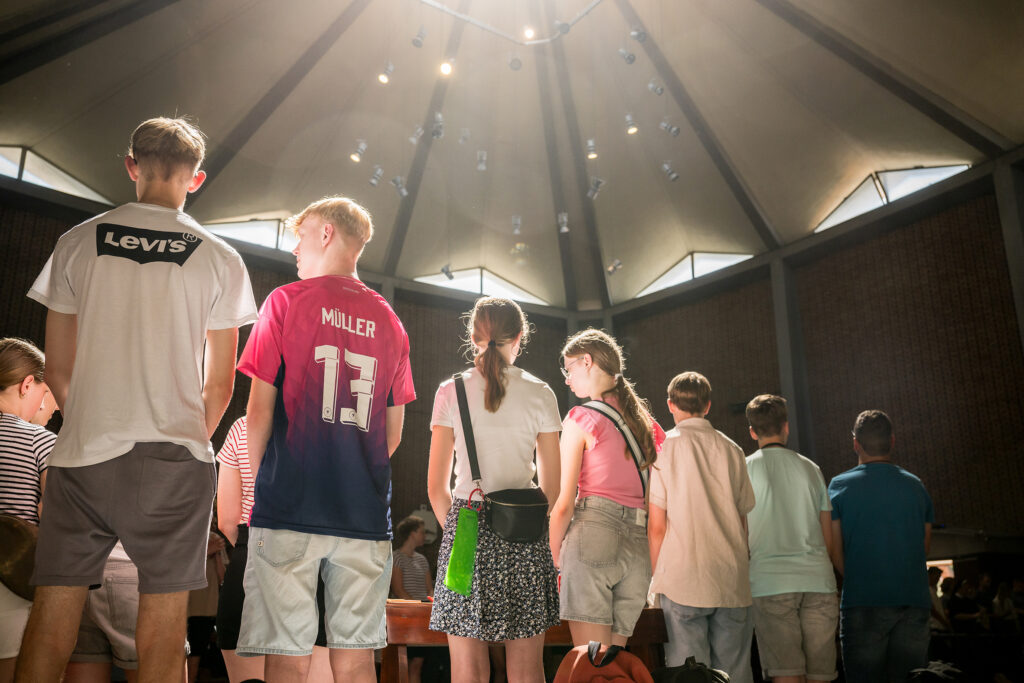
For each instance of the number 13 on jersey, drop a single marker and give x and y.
(361, 386)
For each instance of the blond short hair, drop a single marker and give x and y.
(168, 144)
(344, 214)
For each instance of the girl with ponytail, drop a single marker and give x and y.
(599, 523)
(514, 595)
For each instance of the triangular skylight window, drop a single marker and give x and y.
(692, 266)
(39, 171)
(481, 281)
(265, 233)
(883, 187)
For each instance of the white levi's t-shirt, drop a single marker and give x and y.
(146, 283)
(505, 440)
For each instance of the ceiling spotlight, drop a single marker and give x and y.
(667, 126)
(595, 187)
(378, 173)
(515, 63)
(357, 153)
(653, 86)
(591, 149)
(517, 225)
(667, 168)
(446, 67)
(464, 136)
(631, 127)
(416, 135)
(421, 35)
(563, 222)
(481, 160)
(447, 270)
(562, 27)
(615, 265)
(437, 132)
(399, 184)
(638, 34)
(385, 76)
(528, 33)
(627, 56)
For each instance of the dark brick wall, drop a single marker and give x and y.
(920, 323)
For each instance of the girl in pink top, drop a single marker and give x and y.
(599, 523)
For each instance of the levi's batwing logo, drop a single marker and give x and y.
(145, 246)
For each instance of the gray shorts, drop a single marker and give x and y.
(156, 498)
(107, 631)
(796, 634)
(606, 565)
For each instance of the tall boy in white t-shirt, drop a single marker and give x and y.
(700, 496)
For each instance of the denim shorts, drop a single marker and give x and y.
(796, 634)
(280, 613)
(107, 630)
(606, 565)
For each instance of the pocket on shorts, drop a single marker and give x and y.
(597, 544)
(778, 606)
(278, 547)
(167, 487)
(381, 553)
(123, 602)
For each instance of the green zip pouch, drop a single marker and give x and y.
(459, 576)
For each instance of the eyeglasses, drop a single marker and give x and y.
(565, 370)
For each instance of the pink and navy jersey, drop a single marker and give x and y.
(338, 356)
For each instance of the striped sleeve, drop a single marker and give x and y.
(228, 455)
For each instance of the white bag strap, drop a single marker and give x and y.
(620, 424)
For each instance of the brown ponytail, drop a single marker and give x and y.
(607, 355)
(492, 323)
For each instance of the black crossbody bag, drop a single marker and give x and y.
(620, 424)
(517, 515)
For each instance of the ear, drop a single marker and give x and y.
(132, 167)
(753, 434)
(197, 180)
(26, 384)
(327, 233)
(671, 406)
(707, 409)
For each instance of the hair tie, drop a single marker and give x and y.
(492, 344)
(618, 377)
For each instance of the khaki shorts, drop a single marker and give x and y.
(156, 498)
(107, 631)
(796, 634)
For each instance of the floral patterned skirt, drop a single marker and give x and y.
(514, 592)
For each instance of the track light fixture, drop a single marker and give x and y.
(627, 56)
(562, 27)
(357, 153)
(669, 173)
(437, 132)
(517, 225)
(399, 184)
(481, 160)
(595, 187)
(591, 149)
(378, 173)
(421, 35)
(416, 135)
(464, 136)
(447, 270)
(667, 126)
(614, 266)
(515, 63)
(631, 127)
(385, 76)
(653, 86)
(638, 34)
(563, 222)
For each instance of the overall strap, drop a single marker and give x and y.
(620, 424)
(467, 427)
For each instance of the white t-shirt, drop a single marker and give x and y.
(505, 440)
(146, 283)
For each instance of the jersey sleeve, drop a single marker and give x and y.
(550, 420)
(402, 390)
(235, 306)
(263, 353)
(53, 288)
(443, 414)
(228, 454)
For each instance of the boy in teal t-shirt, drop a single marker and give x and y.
(796, 610)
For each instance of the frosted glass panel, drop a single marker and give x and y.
(680, 272)
(901, 183)
(263, 233)
(10, 160)
(864, 199)
(496, 286)
(481, 281)
(704, 263)
(467, 280)
(41, 172)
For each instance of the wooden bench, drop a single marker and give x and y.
(408, 626)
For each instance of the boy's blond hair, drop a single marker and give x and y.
(344, 214)
(167, 144)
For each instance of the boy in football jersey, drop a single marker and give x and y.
(329, 362)
(144, 309)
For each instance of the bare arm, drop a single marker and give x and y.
(394, 419)
(571, 447)
(548, 465)
(429, 581)
(219, 373)
(439, 471)
(657, 522)
(837, 545)
(229, 502)
(42, 490)
(61, 343)
(927, 537)
(259, 415)
(397, 588)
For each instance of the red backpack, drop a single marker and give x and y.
(596, 663)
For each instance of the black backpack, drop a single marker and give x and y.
(690, 672)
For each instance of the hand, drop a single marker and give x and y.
(215, 544)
